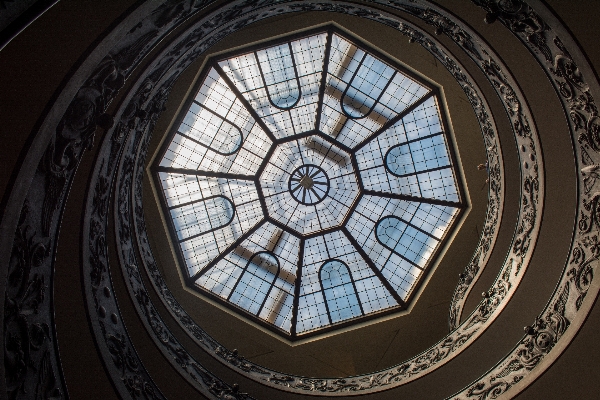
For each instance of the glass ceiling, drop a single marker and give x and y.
(309, 183)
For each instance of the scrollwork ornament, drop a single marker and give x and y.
(529, 25)
(578, 101)
(28, 338)
(337, 386)
(435, 356)
(73, 134)
(204, 381)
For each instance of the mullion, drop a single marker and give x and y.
(228, 121)
(345, 205)
(262, 75)
(244, 271)
(318, 218)
(393, 250)
(292, 121)
(268, 292)
(373, 267)
(208, 174)
(323, 79)
(212, 230)
(299, 150)
(441, 133)
(362, 312)
(208, 146)
(187, 203)
(292, 213)
(420, 172)
(357, 171)
(320, 135)
(321, 282)
(412, 160)
(297, 285)
(223, 119)
(416, 199)
(342, 127)
(225, 252)
(244, 102)
(376, 101)
(351, 79)
(393, 121)
(417, 228)
(330, 150)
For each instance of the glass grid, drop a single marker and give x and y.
(217, 134)
(312, 310)
(264, 291)
(281, 84)
(279, 74)
(332, 208)
(213, 218)
(339, 291)
(411, 157)
(391, 233)
(362, 93)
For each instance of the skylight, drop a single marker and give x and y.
(309, 183)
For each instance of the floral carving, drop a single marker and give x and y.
(439, 353)
(27, 338)
(568, 299)
(570, 82)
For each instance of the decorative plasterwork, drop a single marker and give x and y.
(574, 81)
(319, 386)
(568, 304)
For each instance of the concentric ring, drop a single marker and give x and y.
(309, 184)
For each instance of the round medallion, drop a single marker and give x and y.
(309, 184)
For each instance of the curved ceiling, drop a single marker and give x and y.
(102, 306)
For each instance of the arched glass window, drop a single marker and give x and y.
(252, 289)
(199, 217)
(279, 74)
(208, 129)
(339, 290)
(408, 241)
(368, 83)
(428, 153)
(319, 137)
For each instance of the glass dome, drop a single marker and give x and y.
(309, 183)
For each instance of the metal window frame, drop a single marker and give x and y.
(329, 30)
(262, 75)
(326, 262)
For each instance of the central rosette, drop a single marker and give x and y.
(309, 185)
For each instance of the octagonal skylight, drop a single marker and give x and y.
(309, 183)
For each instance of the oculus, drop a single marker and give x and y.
(309, 183)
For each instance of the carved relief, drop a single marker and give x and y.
(423, 363)
(574, 93)
(75, 133)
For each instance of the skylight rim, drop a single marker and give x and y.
(431, 91)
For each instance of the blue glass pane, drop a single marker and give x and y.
(366, 87)
(399, 160)
(390, 231)
(202, 216)
(406, 240)
(211, 130)
(277, 65)
(256, 282)
(340, 295)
